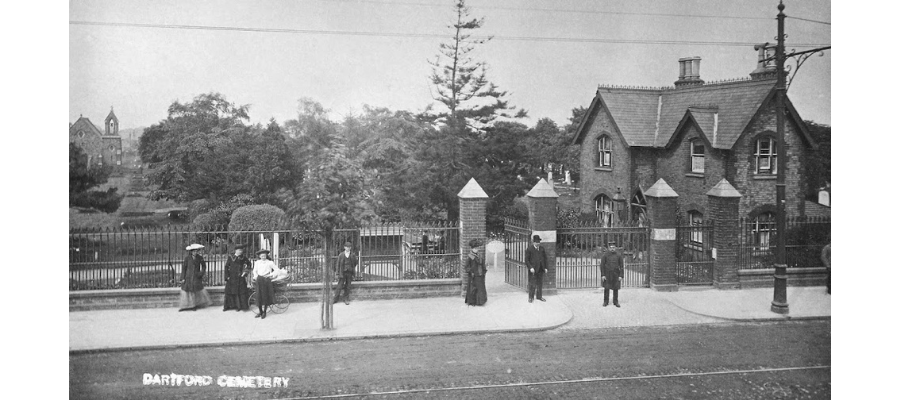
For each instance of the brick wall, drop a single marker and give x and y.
(595, 181)
(299, 293)
(542, 217)
(759, 190)
(675, 168)
(757, 278)
(472, 225)
(644, 169)
(723, 210)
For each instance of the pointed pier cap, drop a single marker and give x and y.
(661, 189)
(723, 189)
(472, 190)
(542, 190)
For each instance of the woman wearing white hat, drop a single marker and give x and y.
(193, 294)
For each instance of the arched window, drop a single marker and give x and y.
(766, 157)
(697, 156)
(695, 219)
(604, 154)
(604, 208)
(763, 226)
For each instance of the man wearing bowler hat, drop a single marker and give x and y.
(345, 267)
(536, 261)
(612, 269)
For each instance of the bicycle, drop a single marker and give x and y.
(281, 301)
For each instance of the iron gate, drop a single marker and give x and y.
(515, 241)
(580, 249)
(694, 263)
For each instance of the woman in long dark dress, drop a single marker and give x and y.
(475, 268)
(237, 294)
(264, 270)
(193, 294)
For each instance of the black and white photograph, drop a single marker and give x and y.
(448, 199)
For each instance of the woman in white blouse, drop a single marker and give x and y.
(264, 270)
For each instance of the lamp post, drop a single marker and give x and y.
(779, 299)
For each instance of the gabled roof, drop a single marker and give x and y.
(706, 120)
(86, 125)
(650, 117)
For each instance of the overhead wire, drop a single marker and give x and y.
(421, 35)
(560, 10)
(809, 20)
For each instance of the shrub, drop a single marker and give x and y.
(258, 217)
(212, 219)
(197, 207)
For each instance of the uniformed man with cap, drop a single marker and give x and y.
(612, 269)
(536, 262)
(345, 267)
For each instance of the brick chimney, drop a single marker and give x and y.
(765, 69)
(688, 72)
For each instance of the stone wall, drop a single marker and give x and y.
(300, 293)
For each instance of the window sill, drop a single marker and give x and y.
(694, 175)
(765, 177)
(606, 169)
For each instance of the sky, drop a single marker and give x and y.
(141, 70)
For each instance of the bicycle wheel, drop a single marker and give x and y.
(253, 303)
(281, 304)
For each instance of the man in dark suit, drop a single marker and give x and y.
(612, 269)
(536, 261)
(345, 267)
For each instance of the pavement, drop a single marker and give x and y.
(507, 310)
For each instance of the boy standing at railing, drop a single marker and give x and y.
(345, 266)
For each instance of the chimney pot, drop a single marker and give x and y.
(688, 72)
(765, 68)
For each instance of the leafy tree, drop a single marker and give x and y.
(271, 165)
(311, 132)
(193, 157)
(205, 150)
(336, 192)
(818, 163)
(461, 83)
(83, 177)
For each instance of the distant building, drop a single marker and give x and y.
(100, 147)
(692, 135)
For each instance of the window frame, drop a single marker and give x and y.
(771, 157)
(695, 220)
(603, 152)
(694, 144)
(604, 210)
(762, 229)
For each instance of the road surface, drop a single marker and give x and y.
(714, 361)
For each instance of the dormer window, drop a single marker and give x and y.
(604, 153)
(766, 156)
(697, 156)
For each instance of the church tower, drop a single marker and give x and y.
(112, 124)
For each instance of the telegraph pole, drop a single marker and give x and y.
(779, 300)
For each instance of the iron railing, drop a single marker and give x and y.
(804, 240)
(152, 257)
